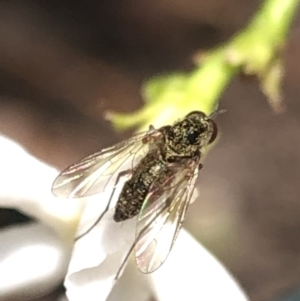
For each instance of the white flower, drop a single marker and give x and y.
(190, 272)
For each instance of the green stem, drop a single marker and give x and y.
(277, 15)
(254, 50)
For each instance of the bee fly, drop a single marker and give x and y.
(163, 166)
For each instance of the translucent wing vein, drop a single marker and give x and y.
(161, 218)
(95, 173)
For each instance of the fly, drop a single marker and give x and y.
(163, 166)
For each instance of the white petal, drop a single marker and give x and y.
(192, 273)
(98, 255)
(33, 261)
(26, 185)
(131, 286)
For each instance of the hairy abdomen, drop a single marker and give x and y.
(136, 189)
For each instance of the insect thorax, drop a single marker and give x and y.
(186, 138)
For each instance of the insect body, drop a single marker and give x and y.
(163, 164)
(135, 190)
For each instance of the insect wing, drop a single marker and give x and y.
(95, 173)
(161, 218)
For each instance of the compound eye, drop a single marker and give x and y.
(214, 132)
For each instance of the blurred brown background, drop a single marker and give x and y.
(63, 63)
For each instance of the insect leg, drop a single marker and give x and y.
(122, 266)
(121, 174)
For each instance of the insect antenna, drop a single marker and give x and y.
(216, 113)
